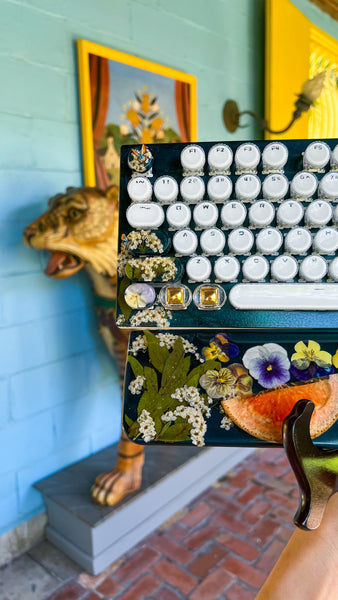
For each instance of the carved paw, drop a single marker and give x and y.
(110, 488)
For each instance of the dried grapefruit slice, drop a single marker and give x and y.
(262, 415)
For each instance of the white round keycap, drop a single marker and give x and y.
(326, 240)
(269, 240)
(233, 214)
(185, 242)
(219, 188)
(192, 158)
(284, 268)
(139, 189)
(328, 186)
(333, 269)
(313, 268)
(240, 240)
(255, 268)
(226, 268)
(247, 157)
(198, 268)
(166, 189)
(178, 215)
(247, 187)
(298, 240)
(220, 157)
(303, 185)
(261, 213)
(316, 156)
(335, 215)
(274, 156)
(192, 189)
(212, 241)
(275, 186)
(289, 213)
(205, 214)
(145, 215)
(334, 158)
(318, 213)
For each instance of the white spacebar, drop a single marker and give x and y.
(284, 296)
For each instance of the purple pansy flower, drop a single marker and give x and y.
(220, 348)
(269, 364)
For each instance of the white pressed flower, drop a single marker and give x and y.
(226, 423)
(120, 320)
(135, 387)
(147, 426)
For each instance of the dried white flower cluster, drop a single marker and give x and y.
(120, 320)
(156, 315)
(226, 423)
(192, 396)
(147, 426)
(122, 260)
(135, 387)
(194, 418)
(168, 340)
(150, 240)
(139, 343)
(152, 265)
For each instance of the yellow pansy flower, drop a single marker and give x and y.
(305, 354)
(335, 359)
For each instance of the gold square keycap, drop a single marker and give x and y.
(209, 296)
(175, 295)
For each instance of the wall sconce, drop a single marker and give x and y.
(311, 91)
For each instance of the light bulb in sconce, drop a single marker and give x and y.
(311, 91)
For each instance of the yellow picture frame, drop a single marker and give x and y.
(135, 67)
(288, 65)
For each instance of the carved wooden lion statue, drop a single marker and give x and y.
(80, 230)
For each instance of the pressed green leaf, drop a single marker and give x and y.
(149, 402)
(126, 310)
(135, 365)
(157, 354)
(128, 420)
(173, 367)
(134, 430)
(177, 432)
(151, 380)
(129, 271)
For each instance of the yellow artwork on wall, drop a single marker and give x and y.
(297, 50)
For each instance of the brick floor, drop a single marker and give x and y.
(221, 547)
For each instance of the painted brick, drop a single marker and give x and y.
(43, 297)
(4, 402)
(49, 47)
(34, 90)
(92, 411)
(69, 334)
(29, 498)
(8, 499)
(105, 437)
(21, 348)
(31, 189)
(37, 389)
(34, 434)
(56, 155)
(16, 131)
(174, 576)
(14, 256)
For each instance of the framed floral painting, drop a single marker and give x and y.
(124, 100)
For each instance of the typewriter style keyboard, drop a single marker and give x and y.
(231, 227)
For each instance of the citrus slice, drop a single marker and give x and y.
(262, 415)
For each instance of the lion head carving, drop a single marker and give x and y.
(80, 227)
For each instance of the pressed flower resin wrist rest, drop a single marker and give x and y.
(229, 387)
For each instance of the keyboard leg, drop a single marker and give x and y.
(316, 469)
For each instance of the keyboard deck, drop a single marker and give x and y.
(233, 234)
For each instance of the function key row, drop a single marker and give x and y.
(247, 188)
(255, 268)
(268, 241)
(247, 157)
(233, 214)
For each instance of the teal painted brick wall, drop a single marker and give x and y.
(59, 391)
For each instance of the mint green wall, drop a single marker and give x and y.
(59, 392)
